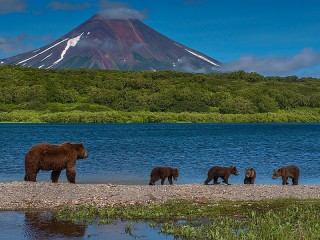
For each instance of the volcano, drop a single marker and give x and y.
(118, 44)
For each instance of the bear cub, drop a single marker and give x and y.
(163, 173)
(286, 172)
(250, 176)
(222, 172)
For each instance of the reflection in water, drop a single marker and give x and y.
(42, 225)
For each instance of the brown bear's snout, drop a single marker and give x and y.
(83, 155)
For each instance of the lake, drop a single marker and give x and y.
(126, 153)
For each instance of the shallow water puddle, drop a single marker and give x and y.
(41, 225)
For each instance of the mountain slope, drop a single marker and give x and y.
(120, 44)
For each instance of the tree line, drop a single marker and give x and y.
(163, 91)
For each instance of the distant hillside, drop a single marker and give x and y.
(97, 91)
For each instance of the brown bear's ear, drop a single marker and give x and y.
(252, 169)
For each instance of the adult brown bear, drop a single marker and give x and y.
(222, 172)
(291, 171)
(163, 173)
(47, 157)
(250, 176)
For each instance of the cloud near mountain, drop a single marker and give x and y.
(121, 13)
(275, 65)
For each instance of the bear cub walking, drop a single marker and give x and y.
(163, 173)
(222, 172)
(291, 171)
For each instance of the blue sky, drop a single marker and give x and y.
(269, 37)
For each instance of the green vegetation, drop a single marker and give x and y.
(82, 95)
(267, 219)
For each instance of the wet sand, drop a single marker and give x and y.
(45, 196)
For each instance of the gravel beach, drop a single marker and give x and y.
(44, 196)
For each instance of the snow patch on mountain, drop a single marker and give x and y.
(42, 51)
(46, 57)
(201, 57)
(71, 43)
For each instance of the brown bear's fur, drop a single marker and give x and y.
(222, 172)
(291, 171)
(250, 176)
(45, 156)
(163, 173)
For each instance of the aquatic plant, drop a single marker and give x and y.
(267, 219)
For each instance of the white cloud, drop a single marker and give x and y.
(10, 6)
(118, 10)
(96, 43)
(108, 9)
(104, 4)
(13, 44)
(10, 46)
(121, 13)
(286, 65)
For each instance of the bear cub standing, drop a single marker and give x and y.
(291, 171)
(222, 172)
(250, 176)
(47, 157)
(163, 173)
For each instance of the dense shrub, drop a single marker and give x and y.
(163, 91)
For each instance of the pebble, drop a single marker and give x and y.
(39, 195)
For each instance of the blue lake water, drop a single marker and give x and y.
(126, 153)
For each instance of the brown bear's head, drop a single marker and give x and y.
(82, 153)
(234, 171)
(249, 172)
(276, 173)
(175, 173)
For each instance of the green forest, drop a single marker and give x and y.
(83, 95)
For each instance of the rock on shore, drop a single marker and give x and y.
(39, 195)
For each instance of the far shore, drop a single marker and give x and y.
(48, 196)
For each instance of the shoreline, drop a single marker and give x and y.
(18, 196)
(299, 115)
